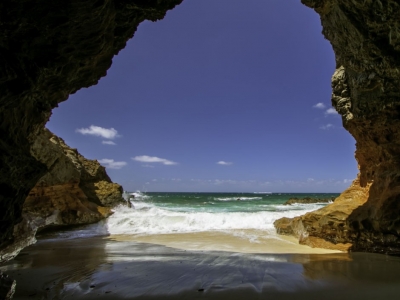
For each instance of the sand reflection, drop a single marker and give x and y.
(95, 268)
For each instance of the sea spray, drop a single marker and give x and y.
(166, 213)
(236, 214)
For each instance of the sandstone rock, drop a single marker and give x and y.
(330, 226)
(365, 36)
(74, 191)
(74, 188)
(308, 200)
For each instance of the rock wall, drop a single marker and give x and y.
(365, 36)
(49, 50)
(74, 191)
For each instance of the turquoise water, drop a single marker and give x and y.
(224, 202)
(164, 213)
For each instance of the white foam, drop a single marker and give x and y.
(147, 219)
(238, 198)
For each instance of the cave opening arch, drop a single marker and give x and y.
(238, 83)
(51, 52)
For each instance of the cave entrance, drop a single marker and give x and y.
(218, 96)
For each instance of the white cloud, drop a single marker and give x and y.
(331, 111)
(319, 105)
(99, 131)
(111, 164)
(327, 126)
(229, 181)
(154, 159)
(224, 163)
(108, 143)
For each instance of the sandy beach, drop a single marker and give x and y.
(117, 268)
(243, 241)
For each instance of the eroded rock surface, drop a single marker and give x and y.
(49, 50)
(365, 36)
(74, 191)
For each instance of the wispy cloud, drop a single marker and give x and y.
(154, 159)
(319, 105)
(331, 111)
(111, 164)
(224, 163)
(327, 126)
(106, 133)
(147, 166)
(108, 143)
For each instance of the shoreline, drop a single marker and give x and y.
(241, 241)
(104, 268)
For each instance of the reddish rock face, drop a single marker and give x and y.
(73, 191)
(365, 36)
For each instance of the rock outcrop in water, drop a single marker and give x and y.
(308, 200)
(365, 36)
(74, 191)
(49, 50)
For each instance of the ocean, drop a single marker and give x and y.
(240, 222)
(163, 213)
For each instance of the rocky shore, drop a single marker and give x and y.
(366, 93)
(74, 191)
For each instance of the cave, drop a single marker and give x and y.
(50, 50)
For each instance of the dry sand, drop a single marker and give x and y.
(105, 268)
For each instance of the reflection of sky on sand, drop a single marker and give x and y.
(102, 268)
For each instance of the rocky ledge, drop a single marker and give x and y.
(327, 227)
(74, 191)
(365, 36)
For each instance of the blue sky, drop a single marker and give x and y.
(219, 96)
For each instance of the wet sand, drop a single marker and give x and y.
(106, 268)
(243, 241)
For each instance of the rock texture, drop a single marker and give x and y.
(49, 50)
(74, 191)
(7, 287)
(308, 200)
(365, 36)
